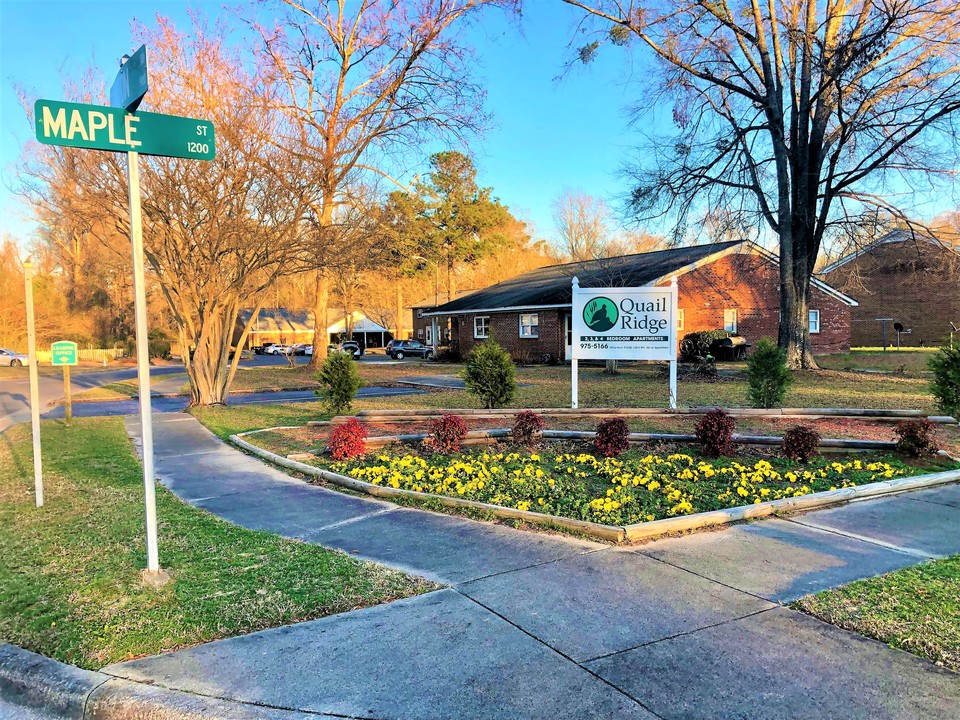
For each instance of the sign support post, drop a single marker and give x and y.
(143, 363)
(34, 384)
(67, 400)
(574, 364)
(673, 357)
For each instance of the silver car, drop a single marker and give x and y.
(13, 359)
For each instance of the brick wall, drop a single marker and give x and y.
(750, 284)
(747, 283)
(914, 282)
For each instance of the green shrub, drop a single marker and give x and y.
(695, 346)
(945, 366)
(339, 382)
(159, 344)
(490, 375)
(767, 374)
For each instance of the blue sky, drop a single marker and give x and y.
(549, 134)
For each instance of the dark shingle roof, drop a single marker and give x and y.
(552, 285)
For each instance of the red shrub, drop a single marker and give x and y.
(715, 433)
(800, 443)
(915, 438)
(347, 440)
(447, 433)
(613, 437)
(527, 426)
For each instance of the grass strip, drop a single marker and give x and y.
(70, 583)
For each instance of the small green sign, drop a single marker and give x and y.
(99, 127)
(63, 352)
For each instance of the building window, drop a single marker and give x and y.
(730, 321)
(429, 336)
(679, 319)
(420, 333)
(814, 318)
(529, 325)
(481, 327)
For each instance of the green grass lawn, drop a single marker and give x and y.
(120, 390)
(916, 609)
(226, 420)
(70, 584)
(909, 362)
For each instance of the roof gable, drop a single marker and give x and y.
(891, 238)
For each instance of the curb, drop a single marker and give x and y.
(618, 533)
(37, 683)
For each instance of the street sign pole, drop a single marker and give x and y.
(143, 363)
(34, 384)
(67, 400)
(673, 358)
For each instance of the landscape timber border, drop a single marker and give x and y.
(878, 414)
(614, 533)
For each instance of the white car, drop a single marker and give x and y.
(278, 350)
(13, 359)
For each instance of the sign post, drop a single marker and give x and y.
(624, 324)
(64, 354)
(34, 385)
(119, 129)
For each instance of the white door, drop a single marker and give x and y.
(568, 335)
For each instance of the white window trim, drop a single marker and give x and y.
(420, 333)
(428, 340)
(476, 334)
(534, 335)
(809, 324)
(736, 320)
(680, 320)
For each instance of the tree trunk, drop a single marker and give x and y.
(611, 368)
(794, 321)
(398, 326)
(320, 324)
(451, 290)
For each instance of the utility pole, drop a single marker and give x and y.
(34, 384)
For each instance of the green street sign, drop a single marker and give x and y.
(63, 352)
(99, 127)
(130, 85)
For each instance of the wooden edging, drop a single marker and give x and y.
(615, 533)
(418, 414)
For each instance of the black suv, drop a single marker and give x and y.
(399, 349)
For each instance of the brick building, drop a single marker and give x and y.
(911, 279)
(288, 327)
(733, 286)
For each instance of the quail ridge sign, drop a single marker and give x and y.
(621, 323)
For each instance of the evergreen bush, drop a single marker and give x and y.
(339, 382)
(767, 374)
(490, 375)
(945, 366)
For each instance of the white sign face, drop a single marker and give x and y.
(625, 323)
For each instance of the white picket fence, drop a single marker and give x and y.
(96, 354)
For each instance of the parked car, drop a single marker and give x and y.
(349, 346)
(13, 359)
(277, 349)
(261, 349)
(399, 349)
(299, 349)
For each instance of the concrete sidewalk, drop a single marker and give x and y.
(545, 626)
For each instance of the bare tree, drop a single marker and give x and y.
(216, 234)
(363, 84)
(798, 111)
(583, 224)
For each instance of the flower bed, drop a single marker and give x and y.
(635, 487)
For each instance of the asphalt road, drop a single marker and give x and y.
(176, 404)
(15, 392)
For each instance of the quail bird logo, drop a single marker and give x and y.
(600, 314)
